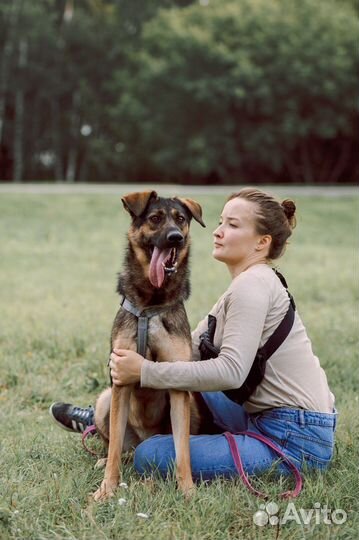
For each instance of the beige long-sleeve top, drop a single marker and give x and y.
(247, 315)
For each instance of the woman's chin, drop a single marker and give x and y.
(216, 255)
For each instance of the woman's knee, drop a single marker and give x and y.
(156, 453)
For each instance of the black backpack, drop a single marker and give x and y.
(256, 373)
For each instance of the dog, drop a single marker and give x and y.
(154, 283)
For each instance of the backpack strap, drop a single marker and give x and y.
(279, 334)
(284, 283)
(206, 347)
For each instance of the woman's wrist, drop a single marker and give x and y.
(139, 368)
(146, 366)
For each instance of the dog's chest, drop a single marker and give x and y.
(149, 412)
(124, 336)
(158, 338)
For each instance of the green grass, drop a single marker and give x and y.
(58, 263)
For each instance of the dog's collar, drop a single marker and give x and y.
(143, 317)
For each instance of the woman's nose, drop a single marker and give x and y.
(218, 231)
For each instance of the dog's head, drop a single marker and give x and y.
(159, 233)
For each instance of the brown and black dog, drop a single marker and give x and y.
(155, 278)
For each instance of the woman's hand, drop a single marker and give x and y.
(125, 366)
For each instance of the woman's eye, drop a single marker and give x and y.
(155, 219)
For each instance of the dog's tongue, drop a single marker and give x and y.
(157, 273)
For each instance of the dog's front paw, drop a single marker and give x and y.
(188, 488)
(106, 490)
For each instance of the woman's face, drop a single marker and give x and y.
(236, 239)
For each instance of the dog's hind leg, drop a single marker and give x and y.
(102, 415)
(102, 422)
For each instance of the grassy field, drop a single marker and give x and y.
(59, 256)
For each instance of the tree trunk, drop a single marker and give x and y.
(33, 142)
(19, 115)
(6, 61)
(341, 162)
(292, 168)
(306, 164)
(74, 134)
(71, 165)
(56, 140)
(68, 11)
(83, 173)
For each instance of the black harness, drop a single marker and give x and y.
(143, 317)
(208, 350)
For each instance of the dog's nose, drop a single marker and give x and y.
(175, 237)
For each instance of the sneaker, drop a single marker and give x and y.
(72, 418)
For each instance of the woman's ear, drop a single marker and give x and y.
(264, 242)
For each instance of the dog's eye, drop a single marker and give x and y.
(181, 219)
(155, 219)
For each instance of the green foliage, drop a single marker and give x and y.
(239, 87)
(72, 48)
(60, 256)
(178, 90)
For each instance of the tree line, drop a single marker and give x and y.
(204, 91)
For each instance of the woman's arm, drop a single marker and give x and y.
(245, 314)
(126, 365)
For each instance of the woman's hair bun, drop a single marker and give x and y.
(289, 210)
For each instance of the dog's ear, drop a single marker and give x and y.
(136, 203)
(194, 208)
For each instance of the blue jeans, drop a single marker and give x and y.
(306, 437)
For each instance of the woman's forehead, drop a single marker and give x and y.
(239, 208)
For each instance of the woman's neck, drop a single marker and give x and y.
(242, 266)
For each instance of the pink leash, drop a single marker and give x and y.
(90, 430)
(238, 463)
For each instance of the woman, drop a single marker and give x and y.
(290, 403)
